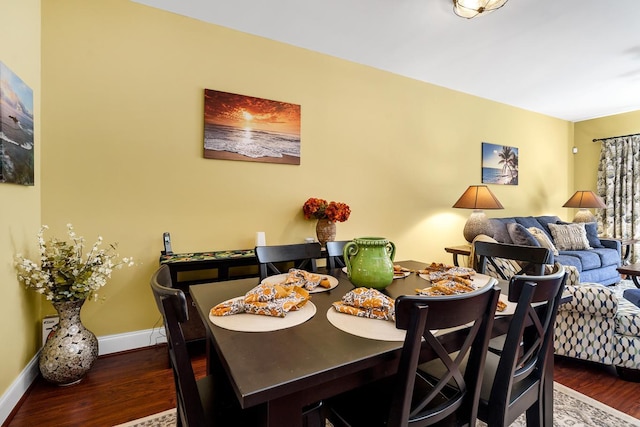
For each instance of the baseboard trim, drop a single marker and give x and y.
(107, 344)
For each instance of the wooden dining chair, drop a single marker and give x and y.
(503, 260)
(201, 402)
(409, 398)
(514, 379)
(302, 255)
(335, 253)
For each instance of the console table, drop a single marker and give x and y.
(222, 261)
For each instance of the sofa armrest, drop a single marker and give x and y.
(611, 244)
(591, 298)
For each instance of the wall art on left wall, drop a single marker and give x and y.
(16, 129)
(240, 127)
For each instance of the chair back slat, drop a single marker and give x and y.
(335, 253)
(532, 259)
(303, 256)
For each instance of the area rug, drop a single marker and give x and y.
(570, 409)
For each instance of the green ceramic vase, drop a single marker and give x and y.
(369, 262)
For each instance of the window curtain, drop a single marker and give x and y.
(619, 187)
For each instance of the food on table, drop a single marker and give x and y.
(501, 306)
(366, 302)
(266, 299)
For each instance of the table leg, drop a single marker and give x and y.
(284, 412)
(455, 260)
(634, 278)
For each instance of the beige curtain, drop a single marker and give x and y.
(619, 187)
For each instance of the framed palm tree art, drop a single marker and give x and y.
(499, 164)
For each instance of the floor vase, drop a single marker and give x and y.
(325, 231)
(71, 349)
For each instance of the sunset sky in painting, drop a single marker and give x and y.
(229, 109)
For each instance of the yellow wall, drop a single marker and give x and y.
(586, 171)
(20, 212)
(122, 154)
(124, 110)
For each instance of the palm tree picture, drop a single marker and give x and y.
(499, 164)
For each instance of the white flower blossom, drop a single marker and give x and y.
(63, 273)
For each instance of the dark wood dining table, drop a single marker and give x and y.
(287, 370)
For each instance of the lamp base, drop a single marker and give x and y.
(477, 224)
(584, 215)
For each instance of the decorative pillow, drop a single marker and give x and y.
(543, 239)
(520, 235)
(570, 237)
(592, 233)
(500, 232)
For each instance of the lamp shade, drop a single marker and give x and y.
(478, 197)
(472, 8)
(584, 199)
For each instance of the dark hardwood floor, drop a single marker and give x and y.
(131, 385)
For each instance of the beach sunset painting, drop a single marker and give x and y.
(239, 127)
(499, 164)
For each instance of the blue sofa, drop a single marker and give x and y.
(597, 265)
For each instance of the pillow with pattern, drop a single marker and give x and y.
(570, 237)
(543, 239)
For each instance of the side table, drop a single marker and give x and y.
(464, 250)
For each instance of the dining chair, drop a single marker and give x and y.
(503, 260)
(335, 253)
(201, 402)
(514, 379)
(302, 255)
(409, 398)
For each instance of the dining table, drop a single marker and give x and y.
(291, 368)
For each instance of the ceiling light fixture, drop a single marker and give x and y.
(472, 8)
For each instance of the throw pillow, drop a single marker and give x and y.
(520, 235)
(500, 232)
(592, 233)
(570, 237)
(543, 239)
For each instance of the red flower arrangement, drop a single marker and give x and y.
(320, 209)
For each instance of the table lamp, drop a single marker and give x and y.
(583, 200)
(477, 197)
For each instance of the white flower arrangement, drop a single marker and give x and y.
(63, 273)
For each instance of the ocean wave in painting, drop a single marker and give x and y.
(249, 142)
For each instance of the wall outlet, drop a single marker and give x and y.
(48, 324)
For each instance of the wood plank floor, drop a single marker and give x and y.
(131, 385)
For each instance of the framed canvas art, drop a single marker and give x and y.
(239, 127)
(499, 164)
(16, 129)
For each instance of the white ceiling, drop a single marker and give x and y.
(570, 59)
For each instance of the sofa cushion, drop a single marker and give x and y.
(543, 239)
(545, 221)
(521, 236)
(570, 237)
(589, 260)
(528, 221)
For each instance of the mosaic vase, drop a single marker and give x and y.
(71, 349)
(325, 231)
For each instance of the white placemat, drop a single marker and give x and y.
(375, 329)
(245, 322)
(280, 278)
